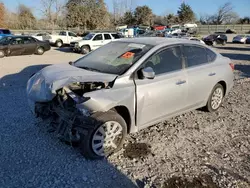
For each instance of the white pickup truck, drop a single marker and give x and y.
(93, 41)
(63, 37)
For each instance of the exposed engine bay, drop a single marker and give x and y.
(65, 118)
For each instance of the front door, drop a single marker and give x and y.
(97, 41)
(166, 94)
(16, 47)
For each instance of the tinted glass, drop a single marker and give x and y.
(98, 37)
(116, 36)
(211, 56)
(17, 41)
(166, 61)
(5, 40)
(62, 33)
(195, 55)
(5, 31)
(72, 34)
(28, 40)
(107, 36)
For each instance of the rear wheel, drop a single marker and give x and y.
(40, 51)
(215, 98)
(224, 43)
(105, 138)
(2, 54)
(85, 49)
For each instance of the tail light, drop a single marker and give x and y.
(232, 66)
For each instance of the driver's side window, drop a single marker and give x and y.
(166, 61)
(98, 37)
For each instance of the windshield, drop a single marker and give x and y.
(5, 31)
(88, 36)
(5, 40)
(113, 58)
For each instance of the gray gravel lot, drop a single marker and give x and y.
(196, 149)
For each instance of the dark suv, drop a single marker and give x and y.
(215, 39)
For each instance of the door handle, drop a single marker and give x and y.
(212, 74)
(181, 82)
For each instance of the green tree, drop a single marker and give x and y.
(26, 18)
(87, 14)
(128, 18)
(143, 15)
(185, 13)
(171, 19)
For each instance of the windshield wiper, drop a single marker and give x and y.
(90, 69)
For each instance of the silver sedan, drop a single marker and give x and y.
(126, 86)
(241, 39)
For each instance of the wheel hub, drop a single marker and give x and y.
(107, 138)
(216, 98)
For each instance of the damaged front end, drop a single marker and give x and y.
(62, 102)
(67, 117)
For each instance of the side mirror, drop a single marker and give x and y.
(148, 73)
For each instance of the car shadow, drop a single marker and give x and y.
(240, 57)
(233, 48)
(32, 157)
(64, 49)
(244, 69)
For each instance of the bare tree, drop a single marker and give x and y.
(52, 9)
(224, 14)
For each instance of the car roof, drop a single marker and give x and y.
(155, 41)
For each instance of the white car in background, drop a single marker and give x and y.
(92, 41)
(63, 37)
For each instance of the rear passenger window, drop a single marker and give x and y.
(107, 37)
(195, 56)
(211, 56)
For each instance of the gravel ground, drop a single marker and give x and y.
(197, 149)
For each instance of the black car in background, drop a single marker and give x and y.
(22, 45)
(215, 39)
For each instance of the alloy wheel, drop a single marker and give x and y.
(106, 138)
(216, 98)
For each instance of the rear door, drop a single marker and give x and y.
(29, 45)
(97, 41)
(166, 94)
(16, 47)
(202, 73)
(107, 38)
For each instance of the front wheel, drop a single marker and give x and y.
(215, 98)
(85, 49)
(106, 137)
(2, 54)
(214, 43)
(59, 43)
(224, 43)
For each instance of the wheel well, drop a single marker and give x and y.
(124, 112)
(59, 40)
(86, 45)
(223, 83)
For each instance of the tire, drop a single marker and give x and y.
(85, 49)
(88, 139)
(214, 43)
(59, 43)
(2, 54)
(40, 51)
(224, 43)
(210, 107)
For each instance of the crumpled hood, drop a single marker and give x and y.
(42, 86)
